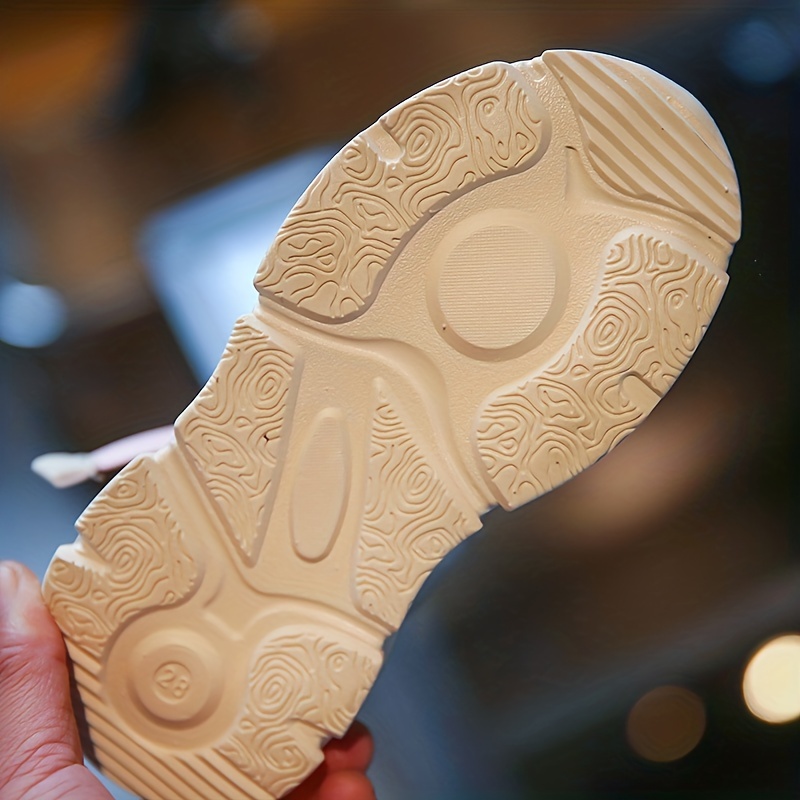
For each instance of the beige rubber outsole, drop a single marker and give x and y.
(477, 298)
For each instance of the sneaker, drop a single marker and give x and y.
(478, 297)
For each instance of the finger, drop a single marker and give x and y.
(38, 736)
(353, 751)
(346, 785)
(309, 788)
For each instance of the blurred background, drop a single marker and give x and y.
(633, 634)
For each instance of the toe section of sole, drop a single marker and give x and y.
(332, 253)
(648, 138)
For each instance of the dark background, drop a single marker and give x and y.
(668, 563)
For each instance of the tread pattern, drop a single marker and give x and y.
(411, 519)
(302, 690)
(651, 312)
(234, 432)
(149, 771)
(227, 691)
(648, 145)
(333, 250)
(131, 556)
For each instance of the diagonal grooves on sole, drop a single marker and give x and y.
(599, 95)
(636, 150)
(594, 96)
(120, 760)
(645, 99)
(187, 776)
(93, 701)
(675, 142)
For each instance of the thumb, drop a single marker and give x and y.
(41, 753)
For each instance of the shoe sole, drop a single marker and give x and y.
(477, 298)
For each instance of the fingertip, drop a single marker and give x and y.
(309, 788)
(36, 720)
(347, 785)
(352, 752)
(22, 609)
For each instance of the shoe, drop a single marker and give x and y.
(478, 297)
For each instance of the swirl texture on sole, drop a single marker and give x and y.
(478, 297)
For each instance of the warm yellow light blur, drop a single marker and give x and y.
(771, 684)
(666, 724)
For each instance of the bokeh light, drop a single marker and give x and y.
(666, 724)
(30, 316)
(771, 684)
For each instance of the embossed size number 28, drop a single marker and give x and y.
(174, 680)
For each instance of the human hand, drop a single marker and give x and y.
(39, 742)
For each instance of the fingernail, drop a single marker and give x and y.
(19, 595)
